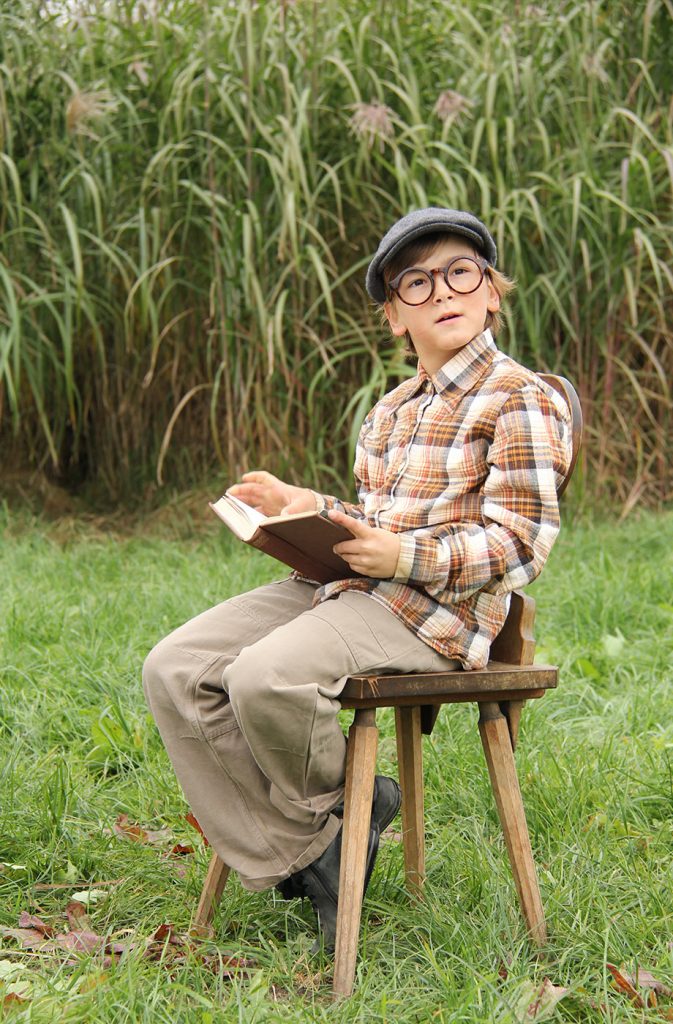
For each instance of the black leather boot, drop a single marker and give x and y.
(319, 882)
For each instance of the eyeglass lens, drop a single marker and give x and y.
(463, 275)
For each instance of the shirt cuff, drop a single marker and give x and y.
(320, 502)
(405, 559)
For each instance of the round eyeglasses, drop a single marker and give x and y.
(462, 274)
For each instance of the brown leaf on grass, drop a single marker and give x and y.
(544, 1001)
(226, 966)
(165, 944)
(35, 934)
(643, 980)
(180, 850)
(137, 834)
(12, 997)
(646, 980)
(30, 938)
(624, 984)
(166, 933)
(80, 941)
(27, 920)
(119, 948)
(77, 915)
(194, 823)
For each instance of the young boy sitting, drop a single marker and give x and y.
(456, 471)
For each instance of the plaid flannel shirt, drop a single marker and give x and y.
(464, 466)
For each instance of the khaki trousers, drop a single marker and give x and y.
(246, 699)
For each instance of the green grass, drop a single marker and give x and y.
(80, 607)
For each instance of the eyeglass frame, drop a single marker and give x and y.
(444, 271)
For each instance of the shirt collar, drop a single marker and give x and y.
(462, 371)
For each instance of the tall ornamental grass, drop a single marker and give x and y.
(189, 193)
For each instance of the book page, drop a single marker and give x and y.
(248, 511)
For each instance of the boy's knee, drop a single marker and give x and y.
(156, 668)
(246, 680)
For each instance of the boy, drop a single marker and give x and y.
(456, 471)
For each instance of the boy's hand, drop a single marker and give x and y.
(372, 551)
(272, 496)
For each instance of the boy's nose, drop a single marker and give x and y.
(442, 289)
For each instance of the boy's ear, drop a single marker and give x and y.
(396, 326)
(493, 302)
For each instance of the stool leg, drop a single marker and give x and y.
(512, 709)
(497, 744)
(213, 887)
(360, 771)
(410, 763)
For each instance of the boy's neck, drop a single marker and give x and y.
(432, 366)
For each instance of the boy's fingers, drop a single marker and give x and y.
(346, 549)
(243, 491)
(358, 527)
(256, 474)
(292, 508)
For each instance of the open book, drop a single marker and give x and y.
(303, 541)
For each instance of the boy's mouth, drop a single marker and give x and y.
(447, 316)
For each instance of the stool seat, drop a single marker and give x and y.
(372, 691)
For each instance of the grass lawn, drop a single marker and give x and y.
(79, 609)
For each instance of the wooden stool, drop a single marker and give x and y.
(500, 691)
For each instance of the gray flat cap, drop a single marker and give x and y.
(424, 222)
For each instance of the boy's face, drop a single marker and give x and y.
(446, 321)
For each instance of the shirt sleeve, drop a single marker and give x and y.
(527, 457)
(349, 508)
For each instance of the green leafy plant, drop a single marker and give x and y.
(188, 201)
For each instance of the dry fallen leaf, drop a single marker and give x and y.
(89, 896)
(30, 938)
(194, 823)
(545, 1000)
(180, 850)
(166, 933)
(27, 920)
(165, 945)
(131, 830)
(81, 941)
(12, 997)
(646, 980)
(643, 980)
(537, 1002)
(77, 914)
